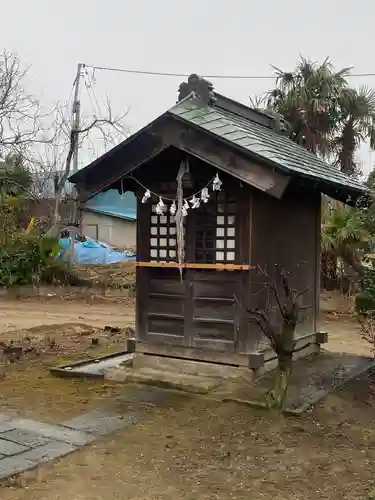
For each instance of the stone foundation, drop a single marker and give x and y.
(175, 370)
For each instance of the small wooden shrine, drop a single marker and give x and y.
(221, 192)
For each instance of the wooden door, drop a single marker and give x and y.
(200, 310)
(214, 308)
(167, 307)
(162, 306)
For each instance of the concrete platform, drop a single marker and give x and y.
(191, 367)
(182, 374)
(168, 379)
(93, 368)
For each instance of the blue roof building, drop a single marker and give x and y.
(113, 204)
(111, 218)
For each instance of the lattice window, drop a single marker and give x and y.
(215, 240)
(163, 239)
(215, 232)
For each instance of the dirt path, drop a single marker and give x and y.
(211, 451)
(58, 331)
(344, 336)
(343, 333)
(16, 314)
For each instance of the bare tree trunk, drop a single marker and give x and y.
(281, 337)
(74, 230)
(56, 213)
(275, 398)
(284, 350)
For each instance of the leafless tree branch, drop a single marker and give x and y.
(47, 141)
(21, 116)
(57, 159)
(281, 335)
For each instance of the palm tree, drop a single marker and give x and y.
(368, 208)
(307, 98)
(325, 115)
(356, 118)
(344, 235)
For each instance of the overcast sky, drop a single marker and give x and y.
(209, 37)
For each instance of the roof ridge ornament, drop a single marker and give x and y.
(202, 89)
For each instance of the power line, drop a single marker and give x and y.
(185, 75)
(181, 75)
(91, 94)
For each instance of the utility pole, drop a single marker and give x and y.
(75, 138)
(76, 112)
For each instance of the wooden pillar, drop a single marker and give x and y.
(142, 273)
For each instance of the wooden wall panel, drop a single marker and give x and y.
(168, 286)
(214, 331)
(214, 310)
(284, 232)
(165, 325)
(166, 305)
(219, 289)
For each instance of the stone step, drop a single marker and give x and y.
(173, 380)
(191, 367)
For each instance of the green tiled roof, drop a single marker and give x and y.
(261, 141)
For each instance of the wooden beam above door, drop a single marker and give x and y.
(187, 265)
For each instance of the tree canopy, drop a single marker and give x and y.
(15, 177)
(326, 115)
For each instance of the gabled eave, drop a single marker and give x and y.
(336, 190)
(171, 129)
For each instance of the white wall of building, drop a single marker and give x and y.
(114, 231)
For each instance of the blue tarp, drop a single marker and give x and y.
(94, 252)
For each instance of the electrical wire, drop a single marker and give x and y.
(185, 75)
(91, 93)
(96, 108)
